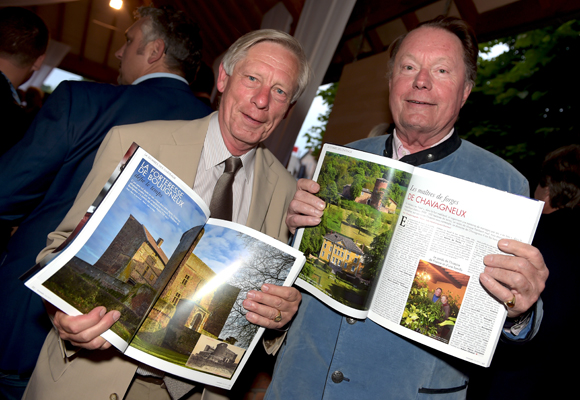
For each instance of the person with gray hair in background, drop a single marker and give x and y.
(260, 78)
(23, 43)
(48, 166)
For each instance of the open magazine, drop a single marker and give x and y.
(404, 247)
(178, 277)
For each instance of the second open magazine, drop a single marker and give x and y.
(393, 234)
(177, 276)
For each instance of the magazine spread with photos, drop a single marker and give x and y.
(178, 277)
(404, 247)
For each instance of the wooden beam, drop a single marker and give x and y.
(294, 7)
(239, 16)
(523, 15)
(380, 12)
(375, 41)
(410, 21)
(60, 22)
(467, 11)
(86, 29)
(110, 41)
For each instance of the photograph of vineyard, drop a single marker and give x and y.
(345, 251)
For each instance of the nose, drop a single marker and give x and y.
(422, 80)
(262, 97)
(119, 53)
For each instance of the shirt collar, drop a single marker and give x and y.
(400, 151)
(217, 152)
(159, 75)
(438, 151)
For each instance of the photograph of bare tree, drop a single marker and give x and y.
(203, 299)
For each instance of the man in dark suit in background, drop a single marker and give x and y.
(47, 168)
(23, 42)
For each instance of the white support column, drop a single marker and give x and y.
(319, 30)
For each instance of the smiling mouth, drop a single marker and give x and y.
(253, 119)
(419, 102)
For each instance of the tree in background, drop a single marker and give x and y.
(522, 105)
(375, 254)
(315, 134)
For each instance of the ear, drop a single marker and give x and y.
(466, 93)
(222, 80)
(156, 50)
(38, 63)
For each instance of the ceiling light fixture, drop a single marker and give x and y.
(116, 4)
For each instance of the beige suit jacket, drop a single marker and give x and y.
(177, 145)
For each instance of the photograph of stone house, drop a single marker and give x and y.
(214, 268)
(129, 255)
(188, 307)
(220, 358)
(134, 256)
(342, 254)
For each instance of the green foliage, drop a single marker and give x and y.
(307, 269)
(422, 314)
(313, 237)
(356, 187)
(329, 192)
(375, 254)
(521, 106)
(396, 193)
(351, 219)
(315, 135)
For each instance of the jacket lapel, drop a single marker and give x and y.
(183, 157)
(262, 190)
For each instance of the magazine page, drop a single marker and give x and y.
(429, 290)
(344, 253)
(127, 250)
(197, 329)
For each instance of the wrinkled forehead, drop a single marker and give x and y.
(438, 41)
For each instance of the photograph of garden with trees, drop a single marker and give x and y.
(345, 252)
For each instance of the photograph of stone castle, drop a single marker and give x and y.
(130, 256)
(203, 300)
(345, 252)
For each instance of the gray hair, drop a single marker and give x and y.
(179, 34)
(239, 50)
(455, 26)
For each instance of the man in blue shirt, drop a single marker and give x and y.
(432, 70)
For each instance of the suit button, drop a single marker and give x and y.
(113, 396)
(337, 377)
(351, 321)
(430, 157)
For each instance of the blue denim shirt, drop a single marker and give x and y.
(329, 356)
